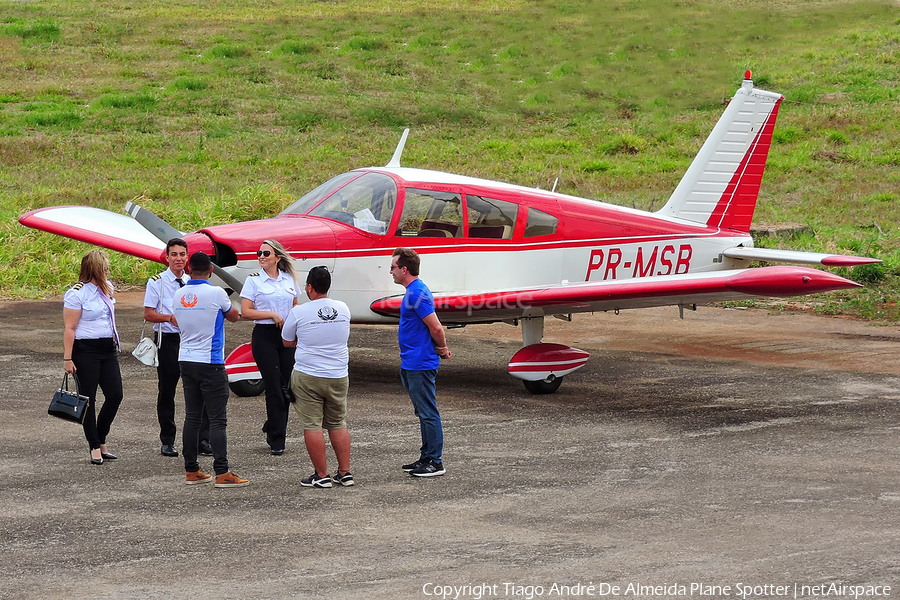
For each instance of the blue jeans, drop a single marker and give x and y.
(205, 386)
(420, 387)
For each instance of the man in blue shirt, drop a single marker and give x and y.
(422, 346)
(200, 310)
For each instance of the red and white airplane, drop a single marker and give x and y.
(495, 251)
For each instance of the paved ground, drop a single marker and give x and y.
(734, 448)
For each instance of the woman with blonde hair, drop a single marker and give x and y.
(90, 348)
(267, 297)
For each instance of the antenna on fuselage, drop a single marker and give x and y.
(395, 160)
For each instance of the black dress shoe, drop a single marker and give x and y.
(205, 449)
(168, 450)
(277, 452)
(108, 456)
(96, 461)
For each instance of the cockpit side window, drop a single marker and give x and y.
(366, 203)
(427, 213)
(491, 218)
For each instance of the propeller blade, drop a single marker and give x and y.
(162, 230)
(166, 232)
(229, 279)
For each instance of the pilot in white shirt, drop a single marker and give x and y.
(267, 298)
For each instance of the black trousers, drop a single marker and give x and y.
(275, 364)
(97, 365)
(168, 373)
(205, 391)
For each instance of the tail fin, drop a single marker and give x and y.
(721, 186)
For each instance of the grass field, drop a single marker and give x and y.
(220, 111)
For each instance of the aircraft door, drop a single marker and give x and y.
(431, 221)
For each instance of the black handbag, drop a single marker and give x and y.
(68, 405)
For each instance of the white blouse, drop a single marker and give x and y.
(271, 295)
(96, 318)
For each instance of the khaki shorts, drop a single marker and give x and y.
(321, 401)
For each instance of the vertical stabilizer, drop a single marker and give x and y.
(721, 186)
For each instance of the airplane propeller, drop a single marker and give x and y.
(165, 232)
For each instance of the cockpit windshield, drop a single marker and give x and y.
(363, 201)
(312, 198)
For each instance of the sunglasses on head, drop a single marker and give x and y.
(266, 253)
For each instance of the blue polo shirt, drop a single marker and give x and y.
(417, 351)
(200, 307)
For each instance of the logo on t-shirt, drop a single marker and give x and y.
(189, 300)
(328, 313)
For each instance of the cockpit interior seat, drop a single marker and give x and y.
(451, 229)
(497, 232)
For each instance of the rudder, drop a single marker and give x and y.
(721, 187)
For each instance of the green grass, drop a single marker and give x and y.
(221, 111)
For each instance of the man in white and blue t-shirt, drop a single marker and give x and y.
(201, 309)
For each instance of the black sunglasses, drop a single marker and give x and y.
(266, 253)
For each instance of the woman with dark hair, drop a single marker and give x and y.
(90, 348)
(267, 297)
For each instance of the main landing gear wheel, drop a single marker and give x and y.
(543, 386)
(248, 387)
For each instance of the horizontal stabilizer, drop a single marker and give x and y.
(97, 226)
(718, 286)
(803, 258)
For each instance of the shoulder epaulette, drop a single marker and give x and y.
(253, 274)
(78, 285)
(155, 277)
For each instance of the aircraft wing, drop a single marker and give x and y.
(97, 226)
(803, 258)
(742, 284)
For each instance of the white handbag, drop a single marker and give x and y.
(146, 350)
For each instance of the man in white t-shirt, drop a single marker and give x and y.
(319, 329)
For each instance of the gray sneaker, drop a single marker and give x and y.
(412, 465)
(428, 468)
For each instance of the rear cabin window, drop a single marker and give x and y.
(540, 223)
(366, 203)
(427, 213)
(491, 218)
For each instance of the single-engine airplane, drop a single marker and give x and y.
(494, 251)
